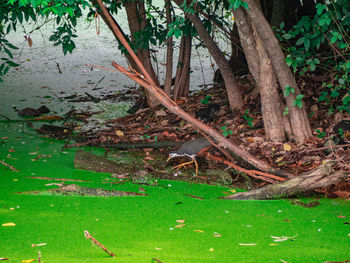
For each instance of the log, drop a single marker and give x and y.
(88, 161)
(321, 176)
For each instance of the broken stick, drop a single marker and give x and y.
(88, 236)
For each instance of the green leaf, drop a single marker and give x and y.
(287, 36)
(299, 96)
(12, 64)
(300, 41)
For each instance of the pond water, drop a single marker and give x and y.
(168, 225)
(37, 80)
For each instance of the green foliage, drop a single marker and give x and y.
(235, 4)
(206, 99)
(313, 37)
(332, 92)
(298, 101)
(15, 12)
(226, 131)
(288, 90)
(320, 134)
(248, 118)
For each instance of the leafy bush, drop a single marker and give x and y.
(322, 42)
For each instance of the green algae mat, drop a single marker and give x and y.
(169, 224)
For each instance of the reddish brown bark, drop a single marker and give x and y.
(169, 52)
(182, 79)
(233, 91)
(146, 81)
(137, 22)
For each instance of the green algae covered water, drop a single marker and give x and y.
(165, 226)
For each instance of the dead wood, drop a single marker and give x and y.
(148, 83)
(89, 236)
(322, 176)
(88, 161)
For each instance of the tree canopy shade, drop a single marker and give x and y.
(273, 61)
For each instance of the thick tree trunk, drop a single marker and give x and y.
(137, 21)
(233, 91)
(105, 19)
(271, 106)
(322, 176)
(248, 43)
(264, 75)
(182, 80)
(169, 52)
(298, 119)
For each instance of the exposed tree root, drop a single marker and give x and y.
(322, 176)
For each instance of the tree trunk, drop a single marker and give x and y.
(271, 106)
(181, 89)
(322, 176)
(105, 19)
(264, 75)
(137, 21)
(300, 124)
(169, 52)
(233, 91)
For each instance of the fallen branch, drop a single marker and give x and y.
(320, 177)
(9, 166)
(147, 82)
(88, 236)
(253, 173)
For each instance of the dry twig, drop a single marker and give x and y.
(9, 166)
(88, 236)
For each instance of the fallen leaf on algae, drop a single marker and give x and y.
(200, 231)
(216, 234)
(39, 245)
(287, 147)
(282, 238)
(182, 225)
(9, 224)
(1, 259)
(180, 220)
(28, 260)
(211, 249)
(247, 244)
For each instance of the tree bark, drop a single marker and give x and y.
(169, 52)
(300, 124)
(322, 176)
(233, 91)
(146, 81)
(271, 105)
(264, 75)
(182, 79)
(108, 23)
(137, 21)
(248, 42)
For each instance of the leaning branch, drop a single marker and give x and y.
(147, 82)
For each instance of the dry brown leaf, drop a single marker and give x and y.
(119, 133)
(287, 147)
(180, 220)
(161, 113)
(30, 41)
(182, 225)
